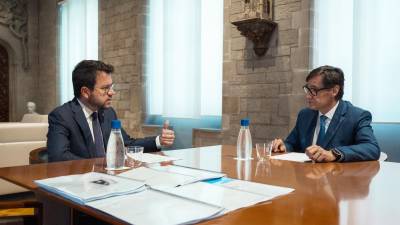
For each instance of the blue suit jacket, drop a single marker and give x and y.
(69, 135)
(349, 131)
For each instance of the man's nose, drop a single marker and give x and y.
(111, 92)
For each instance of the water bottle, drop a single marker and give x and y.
(244, 145)
(115, 148)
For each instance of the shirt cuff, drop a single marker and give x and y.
(158, 144)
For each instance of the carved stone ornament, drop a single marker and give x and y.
(13, 14)
(256, 24)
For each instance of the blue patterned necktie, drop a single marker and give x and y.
(98, 136)
(321, 134)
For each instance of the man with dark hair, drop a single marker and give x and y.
(330, 129)
(81, 127)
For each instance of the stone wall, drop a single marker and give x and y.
(47, 95)
(121, 30)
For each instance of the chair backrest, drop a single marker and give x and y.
(38, 155)
(34, 118)
(23, 132)
(389, 142)
(383, 156)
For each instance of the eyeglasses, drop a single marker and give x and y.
(107, 90)
(313, 91)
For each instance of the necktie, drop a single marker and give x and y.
(98, 136)
(321, 134)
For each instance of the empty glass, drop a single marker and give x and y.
(135, 155)
(263, 150)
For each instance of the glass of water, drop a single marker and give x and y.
(135, 155)
(263, 150)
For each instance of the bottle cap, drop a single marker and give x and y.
(116, 124)
(244, 122)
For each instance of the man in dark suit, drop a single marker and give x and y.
(80, 128)
(330, 129)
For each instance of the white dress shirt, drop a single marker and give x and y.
(88, 115)
(328, 120)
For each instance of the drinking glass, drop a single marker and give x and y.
(263, 150)
(135, 154)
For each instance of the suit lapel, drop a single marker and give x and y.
(80, 119)
(336, 122)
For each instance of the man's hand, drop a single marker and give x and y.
(167, 136)
(318, 154)
(278, 145)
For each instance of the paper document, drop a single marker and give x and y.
(156, 178)
(83, 188)
(154, 158)
(198, 174)
(257, 188)
(169, 176)
(152, 207)
(228, 198)
(292, 156)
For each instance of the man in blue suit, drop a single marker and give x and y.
(80, 128)
(330, 129)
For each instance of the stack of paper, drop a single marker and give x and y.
(169, 176)
(154, 158)
(83, 188)
(153, 207)
(231, 195)
(198, 174)
(270, 191)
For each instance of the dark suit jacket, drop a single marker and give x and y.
(350, 132)
(69, 135)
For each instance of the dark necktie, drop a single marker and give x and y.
(321, 134)
(98, 136)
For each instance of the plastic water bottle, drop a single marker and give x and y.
(244, 145)
(115, 148)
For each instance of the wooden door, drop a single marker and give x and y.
(4, 82)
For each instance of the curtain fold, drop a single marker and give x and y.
(78, 40)
(184, 58)
(361, 37)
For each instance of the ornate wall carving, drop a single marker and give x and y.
(13, 14)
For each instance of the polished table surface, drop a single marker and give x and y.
(325, 193)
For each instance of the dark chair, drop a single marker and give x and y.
(387, 136)
(38, 155)
(21, 208)
(24, 206)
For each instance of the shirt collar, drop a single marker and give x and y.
(331, 112)
(88, 112)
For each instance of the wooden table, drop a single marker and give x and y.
(327, 193)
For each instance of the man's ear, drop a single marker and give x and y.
(85, 92)
(335, 90)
